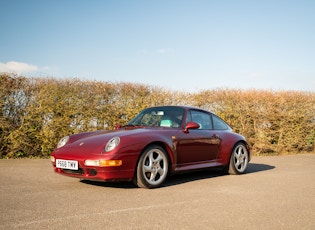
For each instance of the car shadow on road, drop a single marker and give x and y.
(253, 167)
(183, 177)
(211, 173)
(118, 184)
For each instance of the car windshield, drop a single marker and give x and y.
(167, 116)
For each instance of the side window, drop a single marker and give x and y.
(203, 119)
(219, 124)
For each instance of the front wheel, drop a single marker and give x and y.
(239, 159)
(152, 167)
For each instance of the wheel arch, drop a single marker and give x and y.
(246, 145)
(137, 178)
(166, 148)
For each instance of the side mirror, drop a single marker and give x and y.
(118, 126)
(191, 125)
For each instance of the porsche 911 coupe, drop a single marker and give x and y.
(157, 142)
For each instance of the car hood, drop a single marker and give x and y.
(95, 142)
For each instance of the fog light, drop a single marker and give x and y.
(92, 162)
(52, 159)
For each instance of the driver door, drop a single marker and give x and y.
(198, 145)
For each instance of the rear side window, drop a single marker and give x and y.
(219, 124)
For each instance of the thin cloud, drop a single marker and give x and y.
(165, 50)
(17, 67)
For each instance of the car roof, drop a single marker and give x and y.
(186, 107)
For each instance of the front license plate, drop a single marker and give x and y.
(66, 164)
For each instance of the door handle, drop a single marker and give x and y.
(215, 136)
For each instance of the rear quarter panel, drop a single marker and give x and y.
(228, 141)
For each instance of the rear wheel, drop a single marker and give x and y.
(152, 167)
(239, 159)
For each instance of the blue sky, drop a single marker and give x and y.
(179, 45)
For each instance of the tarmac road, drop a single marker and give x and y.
(276, 193)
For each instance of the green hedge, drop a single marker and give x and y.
(37, 112)
(274, 122)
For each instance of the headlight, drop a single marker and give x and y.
(62, 142)
(112, 143)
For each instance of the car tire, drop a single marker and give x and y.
(152, 168)
(239, 159)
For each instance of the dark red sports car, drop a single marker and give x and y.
(158, 141)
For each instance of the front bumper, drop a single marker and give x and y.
(98, 173)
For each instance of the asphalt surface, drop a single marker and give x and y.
(276, 193)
